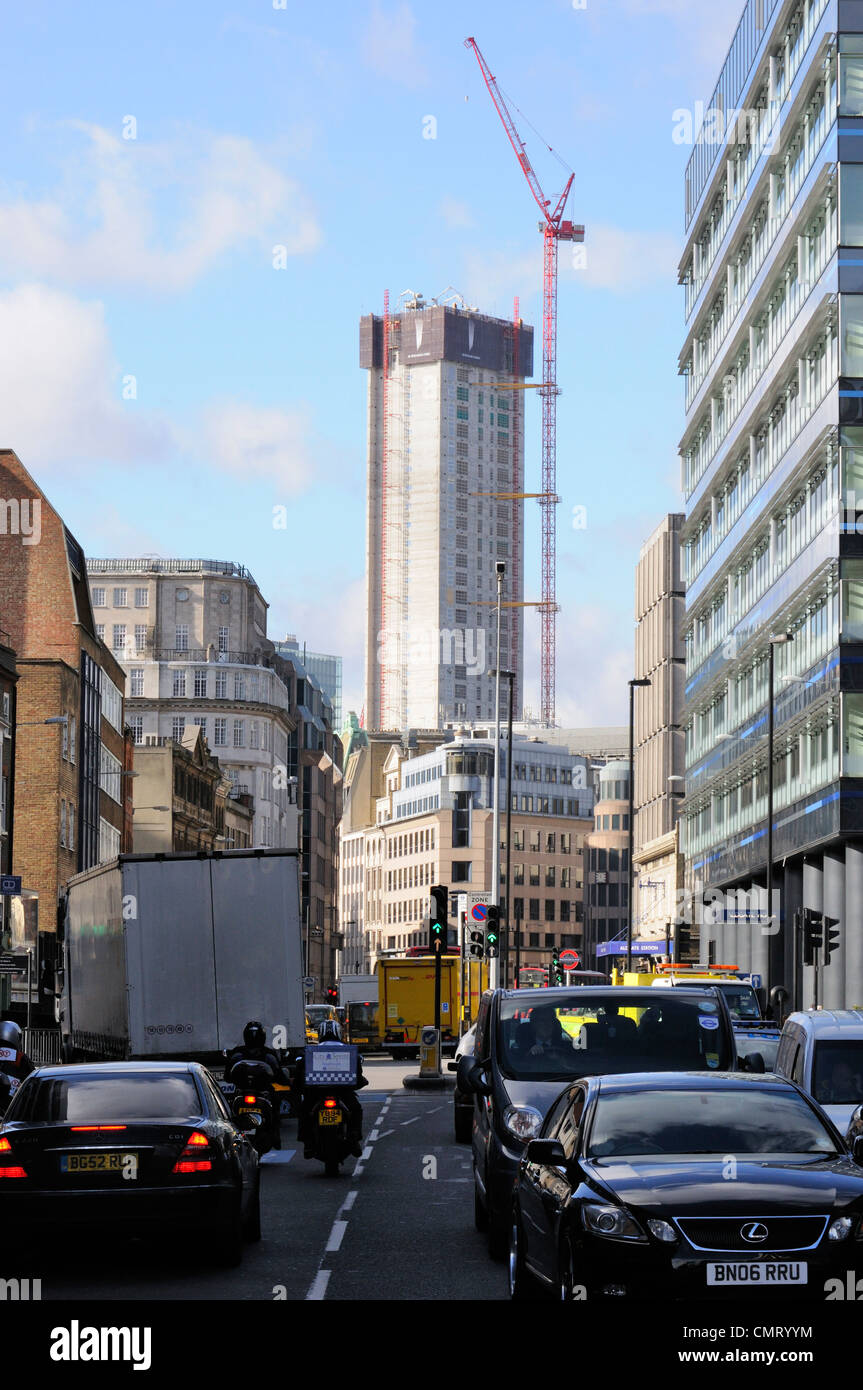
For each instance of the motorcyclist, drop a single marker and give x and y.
(329, 1035)
(254, 1049)
(14, 1062)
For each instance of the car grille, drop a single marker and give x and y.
(726, 1233)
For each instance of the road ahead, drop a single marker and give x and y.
(398, 1223)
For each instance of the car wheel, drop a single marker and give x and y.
(331, 1168)
(566, 1281)
(463, 1125)
(522, 1286)
(480, 1215)
(498, 1234)
(228, 1243)
(252, 1228)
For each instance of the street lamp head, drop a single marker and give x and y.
(641, 680)
(500, 568)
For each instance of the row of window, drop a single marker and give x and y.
(415, 909)
(614, 821)
(609, 894)
(551, 875)
(121, 599)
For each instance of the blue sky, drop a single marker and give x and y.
(168, 386)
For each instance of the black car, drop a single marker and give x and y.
(140, 1147)
(685, 1185)
(517, 1072)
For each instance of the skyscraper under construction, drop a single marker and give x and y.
(445, 470)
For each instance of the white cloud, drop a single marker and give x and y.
(456, 213)
(260, 442)
(389, 45)
(101, 225)
(594, 663)
(60, 388)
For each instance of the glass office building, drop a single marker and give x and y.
(772, 468)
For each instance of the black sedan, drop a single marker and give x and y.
(141, 1147)
(686, 1185)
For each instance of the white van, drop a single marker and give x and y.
(822, 1050)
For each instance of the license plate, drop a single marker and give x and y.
(95, 1163)
(329, 1117)
(256, 1115)
(758, 1273)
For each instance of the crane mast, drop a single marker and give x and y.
(555, 228)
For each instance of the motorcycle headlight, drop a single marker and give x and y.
(613, 1222)
(662, 1230)
(840, 1229)
(522, 1121)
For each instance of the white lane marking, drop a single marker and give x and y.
(411, 1122)
(349, 1200)
(357, 1171)
(385, 1133)
(375, 1134)
(318, 1289)
(336, 1235)
(277, 1156)
(367, 1153)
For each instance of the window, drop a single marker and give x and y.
(63, 823)
(178, 728)
(850, 75)
(99, 598)
(518, 873)
(120, 600)
(64, 752)
(239, 686)
(254, 735)
(239, 733)
(136, 681)
(533, 909)
(200, 684)
(221, 685)
(73, 737)
(461, 871)
(179, 684)
(142, 598)
(220, 733)
(136, 726)
(549, 909)
(100, 631)
(70, 825)
(118, 636)
(200, 722)
(181, 642)
(223, 639)
(140, 637)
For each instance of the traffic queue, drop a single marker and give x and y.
(664, 1138)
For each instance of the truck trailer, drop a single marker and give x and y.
(170, 955)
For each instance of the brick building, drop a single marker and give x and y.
(71, 798)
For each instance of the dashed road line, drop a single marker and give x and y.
(375, 1134)
(385, 1133)
(336, 1235)
(411, 1122)
(318, 1288)
(367, 1153)
(349, 1200)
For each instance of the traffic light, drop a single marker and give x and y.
(492, 931)
(832, 936)
(475, 942)
(556, 971)
(813, 934)
(332, 995)
(438, 909)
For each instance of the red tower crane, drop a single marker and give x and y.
(555, 228)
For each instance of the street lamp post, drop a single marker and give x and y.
(494, 965)
(638, 681)
(505, 931)
(779, 640)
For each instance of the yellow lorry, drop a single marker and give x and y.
(406, 998)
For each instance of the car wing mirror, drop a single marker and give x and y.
(549, 1152)
(471, 1076)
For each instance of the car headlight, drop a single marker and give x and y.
(522, 1121)
(662, 1230)
(840, 1229)
(613, 1222)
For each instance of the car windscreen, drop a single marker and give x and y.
(742, 1000)
(838, 1073)
(572, 1036)
(98, 1099)
(713, 1121)
(362, 1015)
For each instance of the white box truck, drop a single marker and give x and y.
(170, 955)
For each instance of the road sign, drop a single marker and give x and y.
(309, 982)
(10, 885)
(12, 965)
(569, 959)
(479, 912)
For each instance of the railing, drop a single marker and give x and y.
(42, 1045)
(145, 566)
(204, 656)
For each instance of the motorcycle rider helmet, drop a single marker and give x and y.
(329, 1031)
(254, 1035)
(10, 1035)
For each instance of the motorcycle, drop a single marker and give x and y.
(251, 1100)
(328, 1131)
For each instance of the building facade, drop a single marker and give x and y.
(8, 681)
(659, 752)
(71, 796)
(180, 795)
(326, 670)
(433, 823)
(772, 465)
(607, 874)
(445, 458)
